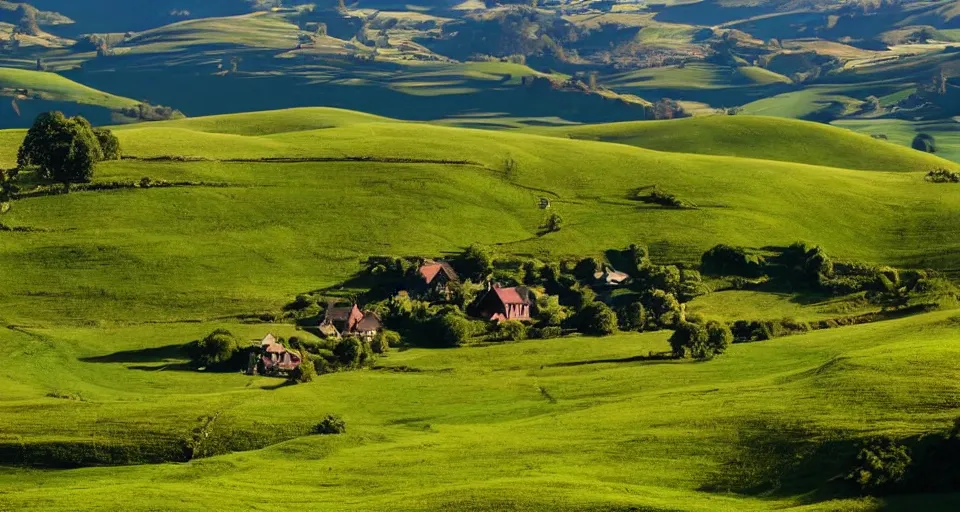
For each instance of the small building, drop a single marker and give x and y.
(610, 277)
(437, 276)
(349, 320)
(272, 358)
(500, 304)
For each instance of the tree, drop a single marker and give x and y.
(586, 268)
(662, 307)
(109, 143)
(554, 222)
(632, 317)
(549, 310)
(384, 340)
(216, 348)
(476, 262)
(690, 339)
(305, 372)
(924, 142)
(454, 330)
(331, 425)
(349, 352)
(882, 464)
(598, 319)
(8, 188)
(719, 336)
(62, 149)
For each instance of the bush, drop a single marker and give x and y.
(942, 176)
(719, 337)
(632, 317)
(350, 352)
(454, 330)
(216, 348)
(512, 330)
(598, 319)
(546, 333)
(331, 425)
(305, 372)
(731, 261)
(549, 311)
(384, 340)
(881, 464)
(662, 307)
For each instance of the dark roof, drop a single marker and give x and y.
(370, 322)
(339, 314)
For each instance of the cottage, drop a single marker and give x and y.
(610, 277)
(272, 358)
(501, 304)
(437, 276)
(340, 321)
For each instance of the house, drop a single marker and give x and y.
(437, 276)
(610, 277)
(272, 358)
(501, 304)
(349, 320)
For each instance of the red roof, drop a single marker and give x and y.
(430, 269)
(510, 296)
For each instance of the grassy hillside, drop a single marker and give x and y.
(573, 424)
(946, 132)
(252, 233)
(760, 137)
(25, 93)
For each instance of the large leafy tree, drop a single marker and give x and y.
(62, 149)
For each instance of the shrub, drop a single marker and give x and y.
(384, 340)
(546, 333)
(454, 330)
(216, 348)
(549, 311)
(305, 372)
(942, 176)
(719, 337)
(598, 319)
(512, 330)
(331, 425)
(661, 307)
(727, 260)
(881, 464)
(350, 352)
(632, 317)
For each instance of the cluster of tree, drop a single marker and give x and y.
(665, 108)
(8, 188)
(218, 350)
(66, 150)
(654, 195)
(924, 142)
(943, 176)
(915, 465)
(699, 339)
(146, 112)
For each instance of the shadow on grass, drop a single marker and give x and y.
(660, 358)
(147, 355)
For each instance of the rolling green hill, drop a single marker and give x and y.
(760, 137)
(33, 92)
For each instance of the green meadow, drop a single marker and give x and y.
(100, 289)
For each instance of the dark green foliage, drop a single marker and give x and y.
(512, 330)
(454, 330)
(662, 308)
(217, 348)
(719, 337)
(632, 317)
(659, 197)
(943, 176)
(598, 319)
(475, 263)
(924, 142)
(639, 257)
(545, 333)
(331, 425)
(690, 339)
(350, 352)
(8, 188)
(731, 261)
(586, 268)
(384, 340)
(554, 223)
(691, 286)
(62, 149)
(882, 465)
(109, 143)
(305, 372)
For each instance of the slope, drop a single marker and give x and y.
(258, 219)
(571, 424)
(37, 91)
(760, 137)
